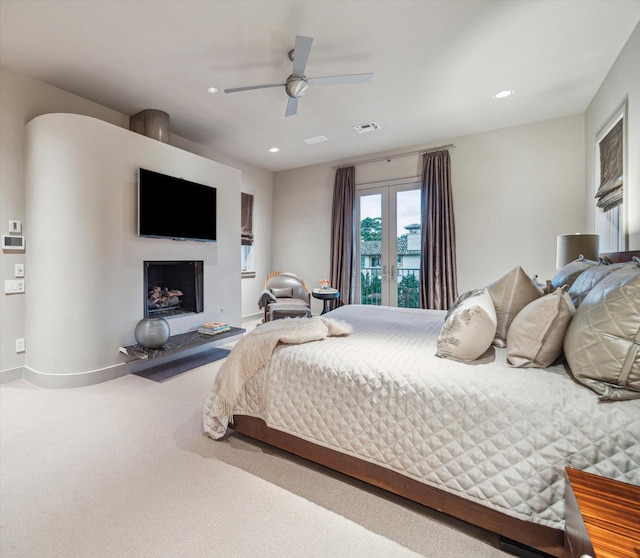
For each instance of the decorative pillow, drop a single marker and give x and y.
(568, 274)
(602, 344)
(510, 294)
(285, 292)
(536, 334)
(589, 278)
(469, 328)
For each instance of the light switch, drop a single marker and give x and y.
(12, 286)
(19, 270)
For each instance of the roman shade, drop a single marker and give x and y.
(610, 192)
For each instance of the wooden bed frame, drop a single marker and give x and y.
(539, 537)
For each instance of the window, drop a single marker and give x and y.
(609, 187)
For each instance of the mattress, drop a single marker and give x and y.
(490, 433)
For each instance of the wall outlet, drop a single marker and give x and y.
(20, 346)
(221, 310)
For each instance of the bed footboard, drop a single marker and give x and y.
(540, 537)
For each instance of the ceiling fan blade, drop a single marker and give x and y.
(292, 107)
(341, 80)
(301, 52)
(250, 87)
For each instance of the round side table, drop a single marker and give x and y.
(326, 295)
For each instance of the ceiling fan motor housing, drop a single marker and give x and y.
(296, 86)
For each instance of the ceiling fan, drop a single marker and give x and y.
(297, 83)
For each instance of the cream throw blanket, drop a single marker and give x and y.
(252, 352)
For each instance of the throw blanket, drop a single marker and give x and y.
(266, 298)
(254, 351)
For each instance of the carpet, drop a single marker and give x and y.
(168, 370)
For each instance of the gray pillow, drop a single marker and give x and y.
(285, 292)
(568, 274)
(601, 344)
(589, 278)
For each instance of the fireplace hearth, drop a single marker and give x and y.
(173, 288)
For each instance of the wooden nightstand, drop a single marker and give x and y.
(602, 517)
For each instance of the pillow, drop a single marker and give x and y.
(589, 278)
(602, 342)
(536, 334)
(285, 292)
(568, 274)
(510, 294)
(469, 328)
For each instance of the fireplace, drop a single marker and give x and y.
(173, 288)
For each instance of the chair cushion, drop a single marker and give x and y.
(284, 292)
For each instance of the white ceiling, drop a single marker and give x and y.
(436, 65)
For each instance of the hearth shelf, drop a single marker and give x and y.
(181, 342)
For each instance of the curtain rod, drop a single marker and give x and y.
(389, 157)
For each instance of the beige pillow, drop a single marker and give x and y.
(510, 294)
(536, 334)
(602, 342)
(469, 328)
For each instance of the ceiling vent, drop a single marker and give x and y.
(317, 139)
(365, 128)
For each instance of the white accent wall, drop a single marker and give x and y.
(85, 260)
(514, 191)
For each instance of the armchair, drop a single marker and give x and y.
(284, 295)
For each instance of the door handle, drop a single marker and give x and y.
(384, 271)
(392, 275)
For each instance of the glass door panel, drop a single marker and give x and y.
(388, 247)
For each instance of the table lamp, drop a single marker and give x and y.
(571, 246)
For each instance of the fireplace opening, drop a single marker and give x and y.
(173, 288)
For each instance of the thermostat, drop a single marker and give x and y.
(12, 242)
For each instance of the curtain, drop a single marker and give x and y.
(343, 234)
(610, 192)
(247, 220)
(438, 276)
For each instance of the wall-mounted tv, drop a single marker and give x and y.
(175, 208)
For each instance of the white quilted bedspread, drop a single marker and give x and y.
(490, 433)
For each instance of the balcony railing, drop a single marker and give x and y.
(407, 283)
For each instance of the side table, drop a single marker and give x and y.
(326, 295)
(602, 516)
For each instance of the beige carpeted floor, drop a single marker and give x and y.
(123, 469)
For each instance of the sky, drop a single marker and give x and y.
(408, 208)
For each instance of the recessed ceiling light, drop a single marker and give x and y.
(212, 89)
(504, 94)
(273, 150)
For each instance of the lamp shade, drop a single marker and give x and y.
(571, 246)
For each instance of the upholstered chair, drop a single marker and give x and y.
(285, 295)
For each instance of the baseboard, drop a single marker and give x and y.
(79, 379)
(11, 375)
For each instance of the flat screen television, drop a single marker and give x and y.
(175, 208)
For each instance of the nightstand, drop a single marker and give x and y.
(602, 516)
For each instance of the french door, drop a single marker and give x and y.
(389, 245)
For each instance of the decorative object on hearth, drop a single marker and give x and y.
(152, 333)
(151, 123)
(297, 83)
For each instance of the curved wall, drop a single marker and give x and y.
(84, 258)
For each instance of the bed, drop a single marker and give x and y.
(481, 441)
